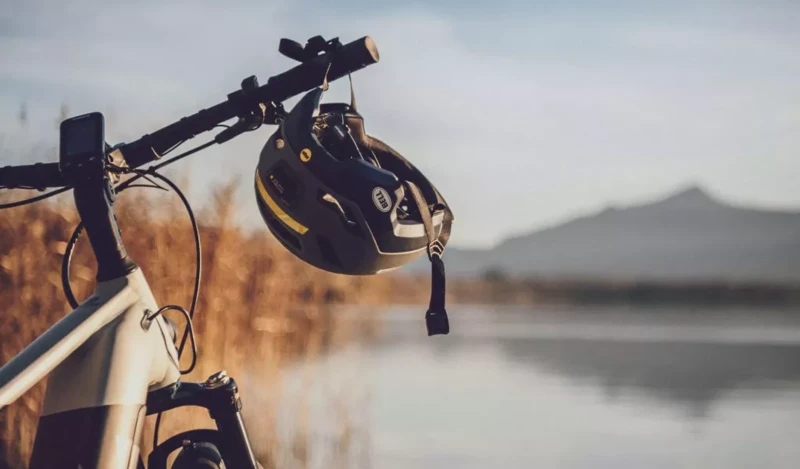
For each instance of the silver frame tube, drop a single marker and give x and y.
(99, 354)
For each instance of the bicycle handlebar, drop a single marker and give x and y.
(333, 65)
(347, 59)
(36, 176)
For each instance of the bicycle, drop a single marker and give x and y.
(114, 359)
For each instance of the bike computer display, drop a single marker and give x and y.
(82, 138)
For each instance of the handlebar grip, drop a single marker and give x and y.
(349, 58)
(35, 176)
(353, 57)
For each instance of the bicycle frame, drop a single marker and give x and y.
(111, 363)
(103, 364)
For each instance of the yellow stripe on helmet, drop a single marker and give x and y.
(282, 216)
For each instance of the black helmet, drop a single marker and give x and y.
(344, 201)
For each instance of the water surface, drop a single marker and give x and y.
(558, 387)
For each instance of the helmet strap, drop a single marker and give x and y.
(352, 93)
(436, 316)
(325, 85)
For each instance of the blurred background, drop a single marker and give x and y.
(625, 262)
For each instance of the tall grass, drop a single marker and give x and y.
(258, 303)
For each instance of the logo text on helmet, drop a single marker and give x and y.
(305, 155)
(381, 199)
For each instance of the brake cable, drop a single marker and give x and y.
(67, 260)
(31, 200)
(189, 315)
(244, 126)
(20, 203)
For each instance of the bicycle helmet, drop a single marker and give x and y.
(346, 202)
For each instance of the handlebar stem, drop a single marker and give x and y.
(94, 199)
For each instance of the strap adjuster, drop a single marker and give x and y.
(436, 248)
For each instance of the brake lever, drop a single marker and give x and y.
(292, 49)
(315, 45)
(244, 124)
(251, 120)
(275, 114)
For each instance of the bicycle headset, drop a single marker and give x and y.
(345, 202)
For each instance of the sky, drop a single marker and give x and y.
(523, 113)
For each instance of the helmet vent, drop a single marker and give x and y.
(278, 229)
(328, 252)
(346, 215)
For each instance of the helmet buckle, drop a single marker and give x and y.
(436, 248)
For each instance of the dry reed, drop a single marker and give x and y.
(258, 302)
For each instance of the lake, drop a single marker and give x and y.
(554, 387)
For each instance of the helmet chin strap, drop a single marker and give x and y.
(436, 316)
(325, 86)
(352, 94)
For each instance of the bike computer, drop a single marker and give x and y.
(82, 139)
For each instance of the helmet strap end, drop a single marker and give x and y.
(436, 316)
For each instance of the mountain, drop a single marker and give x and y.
(686, 236)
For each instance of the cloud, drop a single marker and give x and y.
(521, 118)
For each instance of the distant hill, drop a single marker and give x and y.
(686, 236)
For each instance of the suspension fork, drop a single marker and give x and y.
(219, 394)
